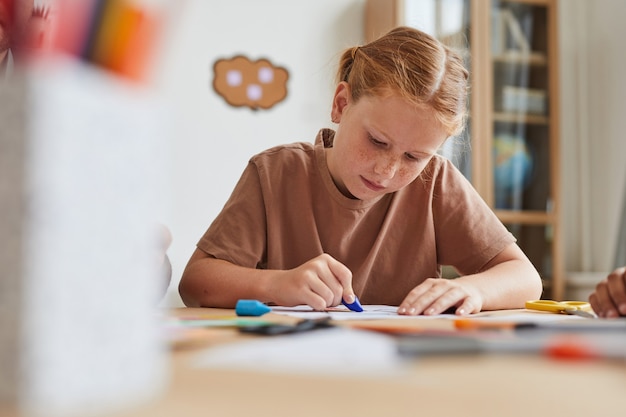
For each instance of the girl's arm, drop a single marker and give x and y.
(506, 282)
(319, 283)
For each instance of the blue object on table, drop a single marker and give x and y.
(251, 308)
(355, 306)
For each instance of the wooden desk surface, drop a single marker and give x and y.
(459, 385)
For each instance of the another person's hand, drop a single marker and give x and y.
(436, 295)
(609, 298)
(320, 283)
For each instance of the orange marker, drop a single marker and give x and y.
(477, 324)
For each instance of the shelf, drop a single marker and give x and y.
(525, 217)
(515, 57)
(514, 60)
(521, 118)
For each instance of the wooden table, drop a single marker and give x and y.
(459, 385)
(455, 385)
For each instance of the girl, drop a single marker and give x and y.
(369, 210)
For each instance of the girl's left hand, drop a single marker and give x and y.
(436, 295)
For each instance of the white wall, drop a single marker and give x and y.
(211, 141)
(593, 64)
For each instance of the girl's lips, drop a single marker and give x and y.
(371, 185)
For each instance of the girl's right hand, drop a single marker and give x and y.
(320, 283)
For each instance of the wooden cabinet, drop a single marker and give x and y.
(510, 149)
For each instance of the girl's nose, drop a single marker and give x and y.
(386, 167)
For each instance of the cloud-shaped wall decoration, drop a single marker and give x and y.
(255, 84)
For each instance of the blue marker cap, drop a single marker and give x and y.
(356, 306)
(251, 308)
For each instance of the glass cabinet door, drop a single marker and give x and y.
(509, 149)
(521, 136)
(448, 21)
(524, 139)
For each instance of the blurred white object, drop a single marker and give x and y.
(339, 352)
(81, 170)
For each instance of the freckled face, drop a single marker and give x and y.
(381, 144)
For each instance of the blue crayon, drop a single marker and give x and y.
(355, 306)
(251, 308)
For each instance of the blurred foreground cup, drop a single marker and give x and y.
(81, 170)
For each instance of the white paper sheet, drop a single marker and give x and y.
(370, 312)
(374, 312)
(335, 351)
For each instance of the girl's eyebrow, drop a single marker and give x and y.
(422, 153)
(378, 135)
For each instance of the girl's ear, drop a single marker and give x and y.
(341, 100)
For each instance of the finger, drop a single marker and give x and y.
(596, 305)
(421, 297)
(319, 290)
(467, 307)
(616, 283)
(316, 302)
(408, 307)
(343, 276)
(602, 303)
(449, 298)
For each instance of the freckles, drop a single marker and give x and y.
(407, 175)
(359, 156)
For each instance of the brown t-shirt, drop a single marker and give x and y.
(286, 210)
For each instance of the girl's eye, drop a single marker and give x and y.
(412, 157)
(376, 141)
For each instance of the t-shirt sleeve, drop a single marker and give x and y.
(468, 232)
(238, 233)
